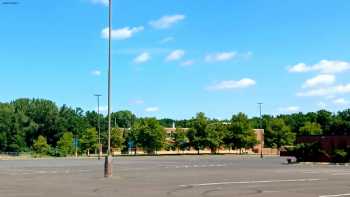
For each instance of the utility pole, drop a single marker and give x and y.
(99, 126)
(262, 136)
(108, 159)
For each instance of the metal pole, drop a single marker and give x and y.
(261, 140)
(108, 159)
(99, 126)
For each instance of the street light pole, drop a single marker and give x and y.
(108, 159)
(99, 126)
(262, 137)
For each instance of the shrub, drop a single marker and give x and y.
(40, 146)
(340, 156)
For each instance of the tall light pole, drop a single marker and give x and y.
(262, 136)
(99, 126)
(108, 159)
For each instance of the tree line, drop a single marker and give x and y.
(42, 127)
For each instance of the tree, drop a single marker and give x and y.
(310, 128)
(40, 146)
(123, 119)
(197, 133)
(117, 139)
(65, 144)
(239, 134)
(149, 134)
(88, 140)
(180, 139)
(278, 134)
(215, 133)
(324, 118)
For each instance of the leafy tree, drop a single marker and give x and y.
(197, 134)
(239, 134)
(149, 134)
(310, 128)
(180, 139)
(215, 136)
(278, 134)
(65, 144)
(123, 119)
(40, 146)
(117, 139)
(324, 118)
(88, 140)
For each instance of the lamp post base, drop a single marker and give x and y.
(108, 166)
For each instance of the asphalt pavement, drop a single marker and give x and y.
(174, 176)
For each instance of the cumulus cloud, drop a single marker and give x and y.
(324, 66)
(102, 2)
(322, 105)
(290, 109)
(167, 21)
(326, 91)
(142, 58)
(340, 101)
(232, 84)
(175, 55)
(121, 34)
(96, 72)
(221, 56)
(323, 79)
(152, 109)
(187, 63)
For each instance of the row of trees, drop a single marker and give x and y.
(40, 125)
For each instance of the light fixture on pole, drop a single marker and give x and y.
(108, 159)
(99, 126)
(262, 133)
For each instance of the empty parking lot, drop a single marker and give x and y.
(173, 176)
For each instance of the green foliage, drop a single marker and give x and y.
(340, 156)
(123, 119)
(180, 139)
(65, 145)
(310, 128)
(278, 134)
(88, 140)
(306, 152)
(215, 133)
(117, 139)
(239, 134)
(149, 135)
(40, 146)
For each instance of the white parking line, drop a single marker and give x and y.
(336, 195)
(250, 182)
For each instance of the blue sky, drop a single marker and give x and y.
(175, 58)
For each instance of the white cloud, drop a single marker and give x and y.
(136, 102)
(323, 79)
(324, 66)
(327, 91)
(96, 72)
(142, 58)
(166, 21)
(322, 105)
(175, 55)
(167, 39)
(290, 109)
(152, 109)
(121, 34)
(221, 56)
(102, 2)
(340, 101)
(187, 63)
(231, 84)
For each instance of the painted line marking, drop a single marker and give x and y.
(336, 195)
(250, 182)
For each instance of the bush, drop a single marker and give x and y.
(40, 146)
(340, 156)
(307, 152)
